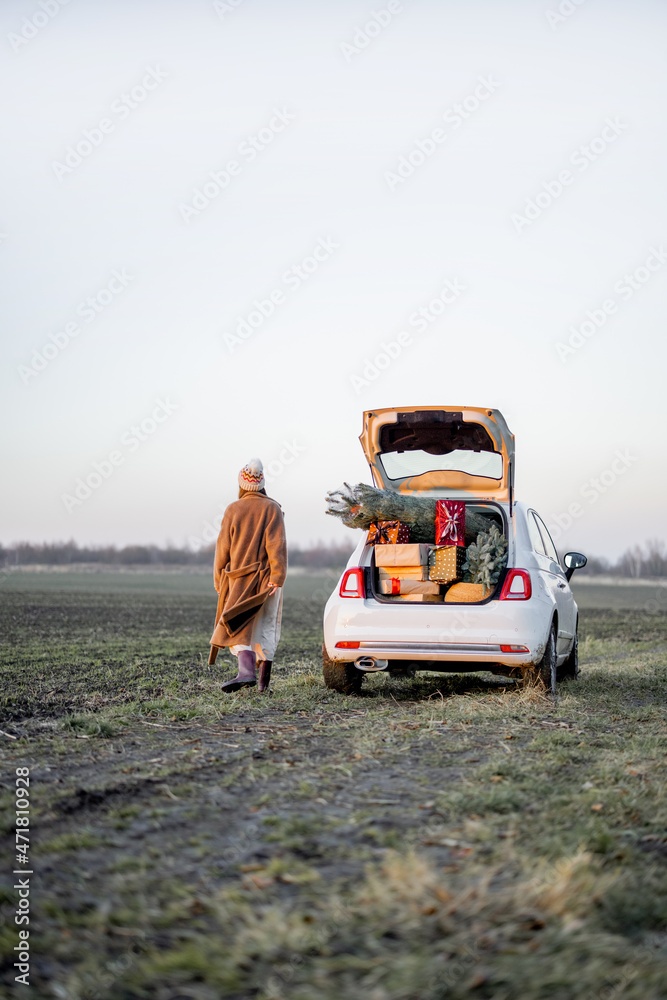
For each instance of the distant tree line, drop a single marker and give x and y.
(321, 556)
(640, 561)
(649, 560)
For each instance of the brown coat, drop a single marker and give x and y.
(251, 552)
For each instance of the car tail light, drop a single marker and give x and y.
(347, 645)
(514, 649)
(352, 584)
(517, 586)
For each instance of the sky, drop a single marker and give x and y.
(231, 227)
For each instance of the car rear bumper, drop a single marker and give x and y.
(436, 633)
(462, 653)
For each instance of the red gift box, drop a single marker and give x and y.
(450, 522)
(388, 533)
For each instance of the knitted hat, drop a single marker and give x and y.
(251, 476)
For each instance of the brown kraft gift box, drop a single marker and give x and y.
(414, 554)
(403, 573)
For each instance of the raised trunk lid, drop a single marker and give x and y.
(460, 451)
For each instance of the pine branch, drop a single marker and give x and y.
(486, 558)
(357, 506)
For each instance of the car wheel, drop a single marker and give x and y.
(546, 668)
(342, 677)
(570, 669)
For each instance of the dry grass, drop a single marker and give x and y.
(437, 837)
(408, 932)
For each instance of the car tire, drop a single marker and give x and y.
(570, 669)
(341, 677)
(545, 670)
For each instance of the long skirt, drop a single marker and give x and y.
(265, 628)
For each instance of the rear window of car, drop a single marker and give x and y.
(400, 464)
(535, 535)
(548, 541)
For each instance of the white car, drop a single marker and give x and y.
(526, 626)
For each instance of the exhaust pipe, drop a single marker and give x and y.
(370, 664)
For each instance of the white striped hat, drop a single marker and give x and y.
(251, 476)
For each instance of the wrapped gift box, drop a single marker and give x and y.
(388, 533)
(394, 585)
(402, 555)
(445, 563)
(450, 522)
(403, 573)
(424, 598)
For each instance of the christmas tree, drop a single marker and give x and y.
(358, 506)
(486, 558)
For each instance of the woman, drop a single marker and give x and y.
(249, 572)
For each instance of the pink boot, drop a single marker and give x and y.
(264, 676)
(246, 675)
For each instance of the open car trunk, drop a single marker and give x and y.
(463, 456)
(388, 589)
(448, 451)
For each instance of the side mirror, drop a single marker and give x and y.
(573, 560)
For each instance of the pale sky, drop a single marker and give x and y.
(497, 165)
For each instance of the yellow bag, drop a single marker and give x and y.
(466, 593)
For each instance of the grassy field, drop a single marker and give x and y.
(439, 837)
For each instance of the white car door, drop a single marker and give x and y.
(559, 586)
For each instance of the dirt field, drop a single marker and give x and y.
(442, 837)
